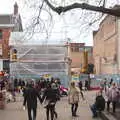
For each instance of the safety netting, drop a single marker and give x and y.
(34, 61)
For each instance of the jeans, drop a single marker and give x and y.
(113, 104)
(34, 113)
(51, 109)
(94, 110)
(74, 108)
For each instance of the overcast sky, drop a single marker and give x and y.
(60, 31)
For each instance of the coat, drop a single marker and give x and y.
(51, 95)
(30, 97)
(73, 95)
(113, 94)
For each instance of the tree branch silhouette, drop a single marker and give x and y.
(61, 9)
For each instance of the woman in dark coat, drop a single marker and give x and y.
(51, 95)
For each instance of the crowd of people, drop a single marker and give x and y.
(50, 96)
(48, 93)
(109, 93)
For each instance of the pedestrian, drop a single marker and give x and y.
(111, 81)
(86, 85)
(102, 85)
(98, 105)
(113, 95)
(73, 98)
(105, 85)
(51, 95)
(80, 85)
(30, 97)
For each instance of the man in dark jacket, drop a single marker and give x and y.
(51, 95)
(99, 104)
(30, 97)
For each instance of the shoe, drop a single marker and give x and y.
(75, 115)
(56, 116)
(94, 116)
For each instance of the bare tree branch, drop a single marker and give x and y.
(60, 9)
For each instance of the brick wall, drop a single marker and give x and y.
(105, 44)
(5, 42)
(77, 59)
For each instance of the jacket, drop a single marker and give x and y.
(73, 95)
(30, 97)
(100, 102)
(113, 94)
(51, 94)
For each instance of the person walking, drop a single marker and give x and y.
(113, 95)
(30, 97)
(73, 98)
(86, 85)
(80, 85)
(51, 95)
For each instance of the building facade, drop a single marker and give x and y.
(8, 23)
(77, 55)
(106, 46)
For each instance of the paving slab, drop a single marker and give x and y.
(14, 110)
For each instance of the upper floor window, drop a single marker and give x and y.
(0, 34)
(76, 49)
(72, 49)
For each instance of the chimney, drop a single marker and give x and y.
(15, 8)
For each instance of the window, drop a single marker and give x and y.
(6, 64)
(0, 34)
(76, 49)
(81, 49)
(72, 49)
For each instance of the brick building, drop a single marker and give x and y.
(77, 55)
(107, 46)
(8, 23)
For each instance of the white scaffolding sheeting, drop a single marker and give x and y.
(36, 60)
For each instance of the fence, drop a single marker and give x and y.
(95, 82)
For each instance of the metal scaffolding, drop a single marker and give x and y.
(36, 60)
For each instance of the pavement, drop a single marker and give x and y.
(110, 115)
(14, 110)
